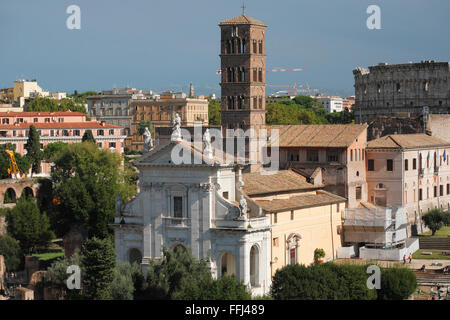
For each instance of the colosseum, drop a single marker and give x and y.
(401, 90)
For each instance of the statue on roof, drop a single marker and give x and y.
(176, 127)
(208, 149)
(243, 207)
(148, 141)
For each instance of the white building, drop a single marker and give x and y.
(193, 206)
(331, 103)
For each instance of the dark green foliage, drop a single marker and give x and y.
(28, 225)
(23, 163)
(446, 218)
(434, 219)
(51, 149)
(321, 282)
(145, 124)
(81, 97)
(85, 182)
(125, 278)
(397, 284)
(178, 275)
(214, 115)
(88, 137)
(10, 249)
(99, 262)
(51, 105)
(33, 148)
(304, 110)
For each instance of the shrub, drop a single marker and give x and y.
(434, 219)
(10, 250)
(397, 283)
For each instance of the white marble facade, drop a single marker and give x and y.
(195, 206)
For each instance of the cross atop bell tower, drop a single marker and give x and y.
(243, 65)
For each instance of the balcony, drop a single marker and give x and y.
(177, 222)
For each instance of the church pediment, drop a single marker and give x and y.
(175, 153)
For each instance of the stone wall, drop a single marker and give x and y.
(385, 90)
(439, 125)
(384, 125)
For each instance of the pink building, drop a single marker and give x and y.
(57, 127)
(410, 170)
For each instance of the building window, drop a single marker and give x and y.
(111, 132)
(225, 194)
(441, 190)
(332, 156)
(312, 155)
(414, 164)
(65, 133)
(5, 121)
(292, 214)
(435, 191)
(112, 144)
(448, 188)
(35, 120)
(76, 133)
(100, 132)
(293, 255)
(420, 194)
(275, 218)
(358, 193)
(406, 164)
(351, 155)
(60, 120)
(371, 165)
(389, 165)
(47, 120)
(52, 133)
(275, 242)
(178, 207)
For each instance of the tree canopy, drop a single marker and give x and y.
(10, 249)
(85, 181)
(52, 149)
(45, 104)
(33, 148)
(88, 136)
(435, 219)
(214, 115)
(28, 225)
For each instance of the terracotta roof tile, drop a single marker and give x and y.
(283, 181)
(42, 114)
(58, 125)
(242, 19)
(326, 135)
(306, 200)
(407, 141)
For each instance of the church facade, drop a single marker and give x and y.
(194, 206)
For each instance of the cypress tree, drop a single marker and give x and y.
(33, 148)
(87, 136)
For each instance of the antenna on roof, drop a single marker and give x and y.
(243, 7)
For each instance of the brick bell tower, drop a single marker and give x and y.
(243, 67)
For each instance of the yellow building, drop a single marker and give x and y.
(303, 216)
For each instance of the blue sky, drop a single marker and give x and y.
(165, 44)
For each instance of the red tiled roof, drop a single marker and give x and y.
(321, 198)
(58, 125)
(242, 19)
(282, 181)
(406, 141)
(42, 114)
(319, 135)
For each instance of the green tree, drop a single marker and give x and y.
(99, 262)
(42, 104)
(144, 124)
(123, 284)
(214, 115)
(56, 276)
(51, 149)
(434, 220)
(397, 283)
(10, 249)
(307, 102)
(308, 117)
(85, 181)
(28, 225)
(88, 137)
(33, 148)
(321, 282)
